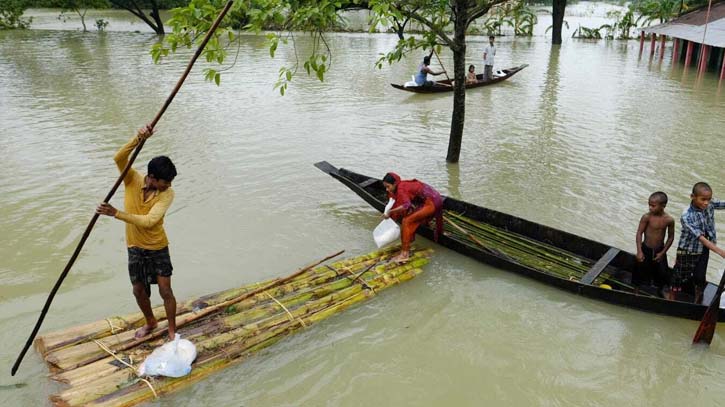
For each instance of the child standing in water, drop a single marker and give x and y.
(651, 245)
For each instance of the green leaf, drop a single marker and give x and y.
(217, 78)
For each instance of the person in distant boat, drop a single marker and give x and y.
(697, 239)
(651, 246)
(146, 200)
(421, 78)
(416, 204)
(488, 54)
(471, 78)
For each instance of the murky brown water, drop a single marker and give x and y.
(578, 140)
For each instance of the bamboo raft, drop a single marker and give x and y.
(99, 360)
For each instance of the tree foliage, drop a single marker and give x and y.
(11, 14)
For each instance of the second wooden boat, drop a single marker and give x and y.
(445, 85)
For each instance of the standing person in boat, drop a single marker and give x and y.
(697, 239)
(651, 246)
(488, 54)
(146, 200)
(421, 78)
(416, 204)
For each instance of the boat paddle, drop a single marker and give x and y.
(443, 67)
(706, 330)
(108, 197)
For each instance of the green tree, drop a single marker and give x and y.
(315, 17)
(153, 19)
(11, 14)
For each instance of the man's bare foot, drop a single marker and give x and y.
(401, 258)
(145, 330)
(172, 335)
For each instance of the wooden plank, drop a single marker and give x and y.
(600, 265)
(367, 183)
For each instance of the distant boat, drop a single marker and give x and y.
(445, 85)
(543, 252)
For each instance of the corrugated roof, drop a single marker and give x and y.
(691, 26)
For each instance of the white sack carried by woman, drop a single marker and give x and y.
(387, 231)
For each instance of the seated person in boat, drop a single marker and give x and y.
(421, 78)
(146, 200)
(651, 246)
(416, 204)
(471, 78)
(697, 239)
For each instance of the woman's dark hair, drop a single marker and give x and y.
(426, 60)
(389, 179)
(161, 167)
(471, 66)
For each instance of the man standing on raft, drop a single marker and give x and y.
(416, 203)
(146, 200)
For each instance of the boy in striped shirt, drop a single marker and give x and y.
(697, 239)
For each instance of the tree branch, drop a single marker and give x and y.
(419, 18)
(479, 11)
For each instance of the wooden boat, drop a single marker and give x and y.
(607, 270)
(445, 85)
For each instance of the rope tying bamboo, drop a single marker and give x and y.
(113, 327)
(133, 369)
(291, 317)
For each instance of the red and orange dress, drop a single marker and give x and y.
(421, 204)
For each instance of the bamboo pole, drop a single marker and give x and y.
(110, 194)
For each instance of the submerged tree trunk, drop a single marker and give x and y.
(155, 15)
(132, 7)
(558, 8)
(459, 90)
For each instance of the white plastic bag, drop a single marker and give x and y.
(389, 206)
(172, 359)
(386, 232)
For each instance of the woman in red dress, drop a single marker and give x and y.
(416, 204)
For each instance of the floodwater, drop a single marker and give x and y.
(577, 141)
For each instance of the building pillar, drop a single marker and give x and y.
(675, 50)
(688, 53)
(652, 44)
(704, 54)
(662, 46)
(641, 42)
(722, 70)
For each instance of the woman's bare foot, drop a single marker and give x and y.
(401, 258)
(145, 330)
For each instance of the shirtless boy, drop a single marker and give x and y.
(651, 245)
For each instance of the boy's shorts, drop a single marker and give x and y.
(144, 266)
(689, 271)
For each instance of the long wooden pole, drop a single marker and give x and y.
(441, 64)
(108, 197)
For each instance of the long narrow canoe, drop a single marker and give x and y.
(445, 85)
(597, 258)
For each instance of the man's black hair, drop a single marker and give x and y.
(426, 60)
(491, 36)
(161, 167)
(660, 197)
(700, 188)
